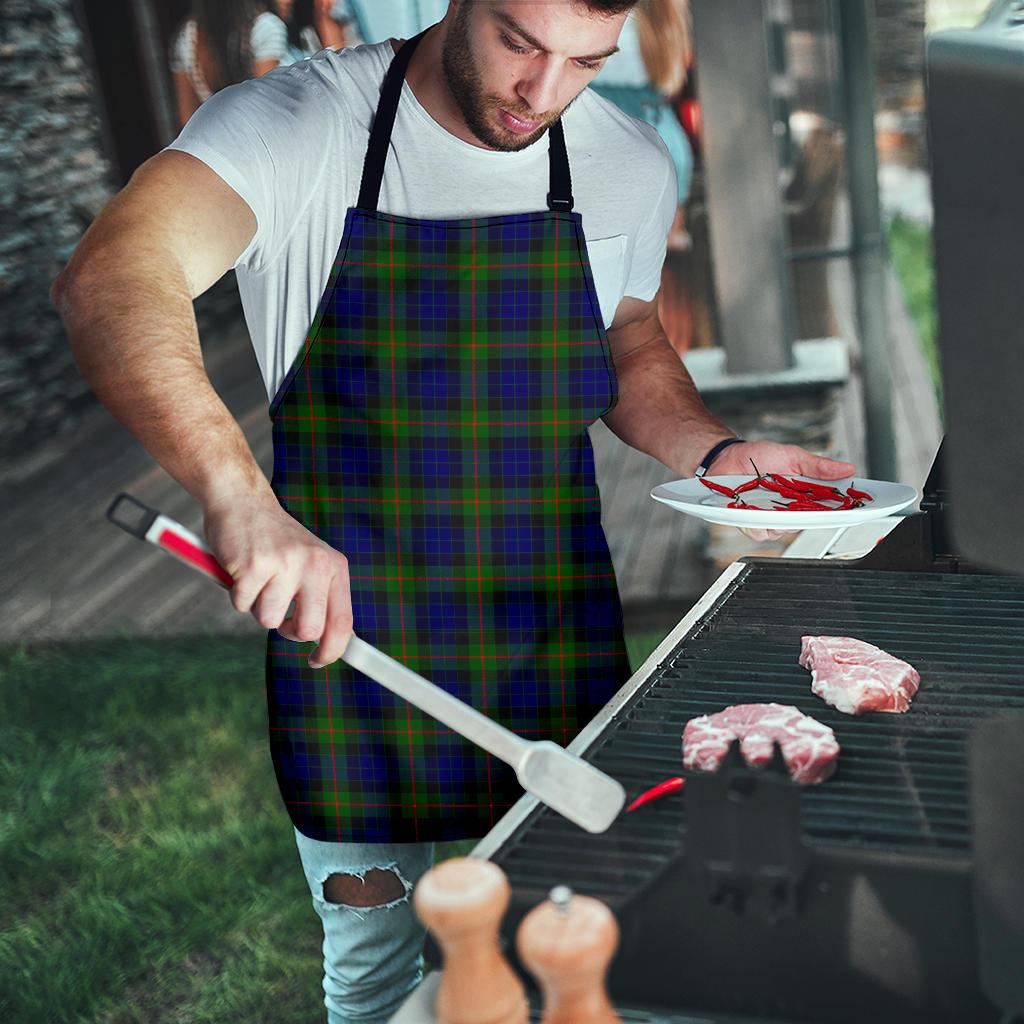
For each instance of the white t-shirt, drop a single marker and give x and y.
(292, 143)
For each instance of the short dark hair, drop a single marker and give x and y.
(608, 7)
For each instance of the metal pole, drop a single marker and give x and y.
(154, 63)
(742, 173)
(857, 69)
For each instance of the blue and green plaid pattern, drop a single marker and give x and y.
(434, 430)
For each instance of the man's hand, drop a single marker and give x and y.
(771, 457)
(274, 559)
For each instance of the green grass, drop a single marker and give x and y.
(149, 871)
(910, 248)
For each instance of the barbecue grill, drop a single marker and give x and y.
(895, 890)
(746, 896)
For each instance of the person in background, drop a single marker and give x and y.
(644, 78)
(223, 42)
(375, 20)
(649, 72)
(313, 25)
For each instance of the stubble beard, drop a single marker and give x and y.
(479, 109)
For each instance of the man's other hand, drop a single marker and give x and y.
(771, 457)
(274, 560)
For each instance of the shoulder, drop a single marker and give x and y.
(331, 88)
(360, 66)
(619, 138)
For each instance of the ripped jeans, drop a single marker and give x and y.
(373, 955)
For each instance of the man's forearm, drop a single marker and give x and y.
(134, 338)
(659, 410)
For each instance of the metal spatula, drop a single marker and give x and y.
(564, 782)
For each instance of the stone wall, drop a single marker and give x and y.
(53, 180)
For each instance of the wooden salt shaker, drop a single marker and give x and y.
(567, 943)
(462, 901)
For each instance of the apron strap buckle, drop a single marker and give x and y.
(564, 205)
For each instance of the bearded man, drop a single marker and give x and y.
(448, 252)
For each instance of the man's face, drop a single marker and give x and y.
(513, 66)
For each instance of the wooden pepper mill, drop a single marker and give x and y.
(567, 943)
(462, 901)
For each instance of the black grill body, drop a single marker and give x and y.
(847, 901)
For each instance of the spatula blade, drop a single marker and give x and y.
(571, 786)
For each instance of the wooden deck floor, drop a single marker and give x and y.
(69, 573)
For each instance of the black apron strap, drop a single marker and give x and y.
(559, 187)
(383, 122)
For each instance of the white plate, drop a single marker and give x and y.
(693, 498)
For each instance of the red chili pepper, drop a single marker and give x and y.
(807, 506)
(862, 495)
(668, 786)
(717, 487)
(809, 487)
(786, 492)
(750, 485)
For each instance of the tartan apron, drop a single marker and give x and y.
(434, 429)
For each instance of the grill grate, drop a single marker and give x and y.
(901, 784)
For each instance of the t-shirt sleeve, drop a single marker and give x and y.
(269, 139)
(652, 237)
(269, 38)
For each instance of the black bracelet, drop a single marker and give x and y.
(705, 463)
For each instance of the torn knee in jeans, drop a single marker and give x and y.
(375, 887)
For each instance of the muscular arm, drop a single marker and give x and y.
(126, 301)
(659, 410)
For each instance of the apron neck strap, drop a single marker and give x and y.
(560, 186)
(383, 122)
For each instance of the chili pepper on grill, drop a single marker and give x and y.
(668, 786)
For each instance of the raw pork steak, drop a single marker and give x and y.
(808, 747)
(855, 677)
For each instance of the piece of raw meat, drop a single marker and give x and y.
(855, 677)
(808, 747)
